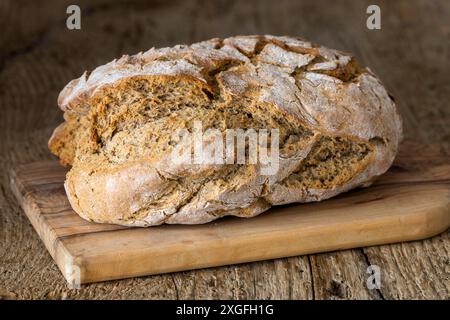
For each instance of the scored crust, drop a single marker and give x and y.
(339, 127)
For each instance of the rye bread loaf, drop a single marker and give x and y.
(338, 129)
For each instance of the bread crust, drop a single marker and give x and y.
(318, 88)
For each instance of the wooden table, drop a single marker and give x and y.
(39, 55)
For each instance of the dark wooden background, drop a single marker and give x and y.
(39, 55)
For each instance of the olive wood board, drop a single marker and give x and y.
(409, 202)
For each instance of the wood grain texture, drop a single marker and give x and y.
(403, 205)
(38, 56)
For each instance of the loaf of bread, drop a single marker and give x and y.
(332, 125)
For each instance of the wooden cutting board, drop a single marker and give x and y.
(410, 202)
